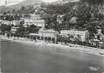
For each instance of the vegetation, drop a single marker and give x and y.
(78, 15)
(32, 29)
(5, 28)
(17, 14)
(93, 1)
(75, 15)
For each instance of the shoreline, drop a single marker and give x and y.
(80, 48)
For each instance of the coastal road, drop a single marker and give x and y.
(28, 58)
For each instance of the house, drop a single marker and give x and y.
(39, 23)
(48, 33)
(14, 22)
(34, 20)
(14, 29)
(35, 16)
(45, 34)
(82, 35)
(60, 19)
(6, 22)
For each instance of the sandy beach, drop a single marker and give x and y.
(80, 48)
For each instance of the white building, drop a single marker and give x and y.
(83, 34)
(6, 22)
(39, 23)
(45, 34)
(34, 20)
(35, 17)
(14, 22)
(14, 29)
(48, 33)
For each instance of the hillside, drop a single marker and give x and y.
(17, 6)
(28, 2)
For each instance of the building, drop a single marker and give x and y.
(14, 29)
(43, 34)
(75, 33)
(35, 17)
(6, 22)
(46, 35)
(34, 20)
(60, 19)
(14, 22)
(39, 23)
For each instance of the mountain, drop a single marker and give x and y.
(93, 2)
(19, 5)
(28, 2)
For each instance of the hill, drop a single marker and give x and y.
(18, 6)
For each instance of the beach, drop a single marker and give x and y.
(80, 48)
(36, 57)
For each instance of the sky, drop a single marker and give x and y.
(49, 0)
(10, 2)
(57, 0)
(13, 2)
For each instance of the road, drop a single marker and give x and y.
(28, 58)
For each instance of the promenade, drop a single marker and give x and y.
(84, 49)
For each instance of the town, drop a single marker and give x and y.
(52, 36)
(63, 27)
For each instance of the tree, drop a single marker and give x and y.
(26, 10)
(81, 13)
(32, 29)
(93, 1)
(13, 11)
(59, 8)
(5, 28)
(92, 29)
(21, 30)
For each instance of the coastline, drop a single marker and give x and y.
(80, 48)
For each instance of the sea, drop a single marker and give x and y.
(19, 57)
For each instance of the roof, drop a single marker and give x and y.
(47, 30)
(72, 32)
(36, 15)
(15, 27)
(34, 34)
(31, 20)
